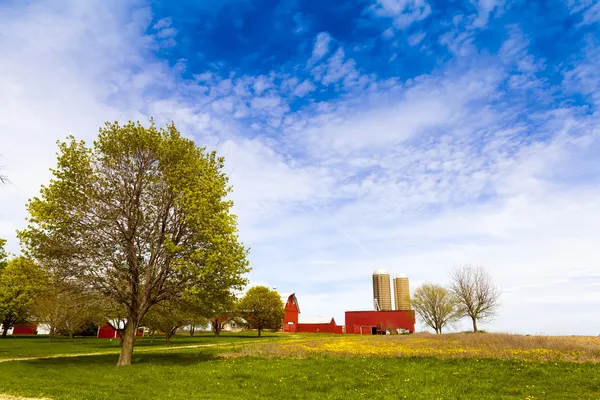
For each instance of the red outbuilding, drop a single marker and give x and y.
(291, 321)
(320, 325)
(107, 331)
(379, 322)
(24, 329)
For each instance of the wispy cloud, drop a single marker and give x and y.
(402, 12)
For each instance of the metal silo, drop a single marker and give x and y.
(401, 292)
(381, 289)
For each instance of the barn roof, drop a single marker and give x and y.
(293, 298)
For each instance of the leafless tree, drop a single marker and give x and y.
(478, 296)
(3, 178)
(436, 306)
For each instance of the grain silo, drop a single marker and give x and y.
(401, 293)
(381, 289)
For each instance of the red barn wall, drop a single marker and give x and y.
(25, 329)
(330, 327)
(106, 331)
(359, 321)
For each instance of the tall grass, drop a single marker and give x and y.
(500, 346)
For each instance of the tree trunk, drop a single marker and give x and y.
(217, 326)
(70, 335)
(5, 326)
(51, 334)
(259, 332)
(127, 344)
(169, 334)
(192, 330)
(474, 324)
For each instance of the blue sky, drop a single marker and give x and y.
(413, 135)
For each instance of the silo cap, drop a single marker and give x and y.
(401, 276)
(380, 271)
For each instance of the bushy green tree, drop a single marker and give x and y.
(65, 308)
(21, 281)
(169, 316)
(3, 254)
(261, 308)
(436, 305)
(140, 217)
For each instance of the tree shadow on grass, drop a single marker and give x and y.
(172, 358)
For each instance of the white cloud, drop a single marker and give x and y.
(485, 9)
(589, 9)
(417, 38)
(303, 89)
(403, 12)
(321, 47)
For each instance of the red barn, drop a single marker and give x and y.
(290, 318)
(378, 322)
(292, 324)
(320, 325)
(107, 331)
(24, 329)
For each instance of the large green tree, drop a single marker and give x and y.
(262, 308)
(141, 217)
(21, 281)
(3, 254)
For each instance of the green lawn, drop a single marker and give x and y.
(35, 346)
(216, 372)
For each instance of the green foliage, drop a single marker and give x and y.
(3, 254)
(20, 282)
(65, 308)
(169, 316)
(141, 217)
(261, 308)
(436, 306)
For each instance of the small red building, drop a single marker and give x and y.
(379, 322)
(292, 324)
(319, 326)
(107, 331)
(24, 329)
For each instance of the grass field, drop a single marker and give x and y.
(37, 346)
(316, 366)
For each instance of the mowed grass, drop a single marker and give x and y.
(37, 346)
(239, 371)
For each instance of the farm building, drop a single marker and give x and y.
(382, 320)
(107, 331)
(292, 322)
(28, 329)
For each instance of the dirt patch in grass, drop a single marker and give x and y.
(7, 397)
